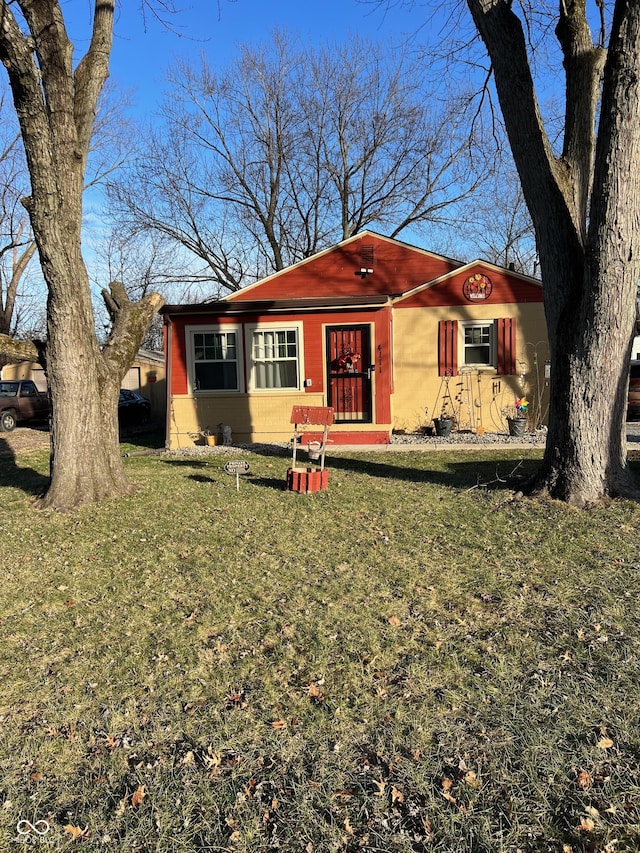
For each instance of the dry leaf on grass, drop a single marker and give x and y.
(471, 778)
(605, 743)
(396, 795)
(314, 693)
(279, 724)
(76, 832)
(586, 825)
(584, 780)
(138, 796)
(447, 784)
(394, 622)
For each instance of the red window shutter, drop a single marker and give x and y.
(506, 346)
(447, 347)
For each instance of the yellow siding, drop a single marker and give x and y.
(268, 417)
(479, 397)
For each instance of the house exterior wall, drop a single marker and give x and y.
(264, 416)
(478, 396)
(418, 307)
(26, 370)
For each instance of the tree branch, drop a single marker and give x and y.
(130, 321)
(18, 350)
(92, 72)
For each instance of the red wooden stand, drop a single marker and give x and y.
(307, 480)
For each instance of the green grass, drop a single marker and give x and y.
(404, 662)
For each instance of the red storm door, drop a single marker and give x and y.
(349, 373)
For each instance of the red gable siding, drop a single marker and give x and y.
(335, 273)
(506, 288)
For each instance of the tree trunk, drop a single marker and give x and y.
(589, 258)
(85, 458)
(56, 109)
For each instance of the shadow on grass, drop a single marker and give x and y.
(28, 480)
(500, 470)
(187, 462)
(200, 478)
(144, 437)
(278, 483)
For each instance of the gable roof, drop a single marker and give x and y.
(366, 264)
(448, 289)
(369, 270)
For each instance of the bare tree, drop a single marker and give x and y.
(292, 149)
(585, 205)
(149, 262)
(56, 102)
(498, 226)
(22, 300)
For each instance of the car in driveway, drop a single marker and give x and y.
(21, 403)
(633, 401)
(133, 408)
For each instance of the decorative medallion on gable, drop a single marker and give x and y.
(477, 287)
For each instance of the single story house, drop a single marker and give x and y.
(389, 335)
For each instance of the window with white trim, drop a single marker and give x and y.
(215, 359)
(275, 358)
(478, 344)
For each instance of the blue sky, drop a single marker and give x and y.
(141, 56)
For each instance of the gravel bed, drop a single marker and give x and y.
(534, 439)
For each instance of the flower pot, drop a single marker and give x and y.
(516, 426)
(212, 440)
(443, 426)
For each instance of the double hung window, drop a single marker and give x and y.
(215, 359)
(275, 358)
(478, 344)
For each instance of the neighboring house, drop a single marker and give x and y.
(385, 333)
(146, 376)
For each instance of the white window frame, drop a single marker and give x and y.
(225, 328)
(274, 327)
(493, 343)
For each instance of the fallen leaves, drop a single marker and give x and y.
(586, 825)
(314, 693)
(236, 699)
(584, 780)
(76, 832)
(138, 796)
(447, 785)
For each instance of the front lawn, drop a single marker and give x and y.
(408, 661)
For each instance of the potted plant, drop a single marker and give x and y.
(516, 416)
(444, 424)
(210, 438)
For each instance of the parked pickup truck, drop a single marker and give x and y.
(21, 403)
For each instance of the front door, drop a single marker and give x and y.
(349, 373)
